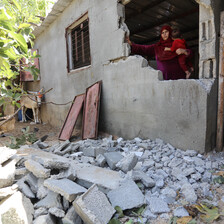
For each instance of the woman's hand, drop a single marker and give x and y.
(182, 51)
(128, 40)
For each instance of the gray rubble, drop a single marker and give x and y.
(81, 182)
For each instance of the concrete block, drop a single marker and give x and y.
(37, 169)
(21, 172)
(180, 212)
(93, 207)
(104, 178)
(6, 153)
(99, 151)
(101, 160)
(16, 209)
(7, 174)
(65, 187)
(89, 151)
(59, 150)
(43, 219)
(145, 179)
(69, 173)
(127, 163)
(72, 217)
(51, 200)
(157, 205)
(7, 191)
(113, 158)
(57, 212)
(126, 196)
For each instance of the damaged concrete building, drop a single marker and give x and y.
(135, 101)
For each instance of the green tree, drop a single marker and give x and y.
(17, 19)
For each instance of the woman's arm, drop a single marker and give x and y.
(144, 50)
(187, 52)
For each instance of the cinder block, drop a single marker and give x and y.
(113, 158)
(93, 207)
(127, 163)
(37, 169)
(65, 187)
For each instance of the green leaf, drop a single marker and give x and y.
(114, 221)
(209, 214)
(119, 211)
(21, 41)
(17, 5)
(129, 222)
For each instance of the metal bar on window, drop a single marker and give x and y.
(76, 47)
(83, 52)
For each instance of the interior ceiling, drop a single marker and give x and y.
(145, 18)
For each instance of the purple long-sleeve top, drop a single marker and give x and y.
(170, 68)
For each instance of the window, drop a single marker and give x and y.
(78, 47)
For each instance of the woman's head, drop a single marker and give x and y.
(166, 33)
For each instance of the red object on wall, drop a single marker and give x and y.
(71, 118)
(27, 76)
(91, 111)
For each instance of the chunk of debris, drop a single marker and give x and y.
(189, 193)
(57, 212)
(7, 191)
(16, 209)
(44, 219)
(144, 178)
(65, 187)
(113, 158)
(127, 163)
(93, 207)
(126, 196)
(157, 205)
(7, 174)
(72, 217)
(6, 153)
(37, 169)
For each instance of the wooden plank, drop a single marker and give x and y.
(71, 118)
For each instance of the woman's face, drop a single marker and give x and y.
(165, 34)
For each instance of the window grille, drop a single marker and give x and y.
(78, 44)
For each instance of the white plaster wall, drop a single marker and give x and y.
(134, 101)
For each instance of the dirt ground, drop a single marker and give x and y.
(41, 130)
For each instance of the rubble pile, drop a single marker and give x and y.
(82, 182)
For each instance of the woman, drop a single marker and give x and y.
(167, 61)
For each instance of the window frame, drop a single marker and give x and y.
(69, 47)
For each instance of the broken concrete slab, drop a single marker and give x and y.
(25, 188)
(51, 200)
(7, 174)
(113, 158)
(72, 217)
(101, 160)
(65, 187)
(32, 182)
(127, 163)
(19, 212)
(57, 212)
(37, 169)
(40, 211)
(105, 179)
(126, 196)
(7, 191)
(93, 207)
(6, 153)
(43, 219)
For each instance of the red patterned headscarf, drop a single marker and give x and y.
(160, 46)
